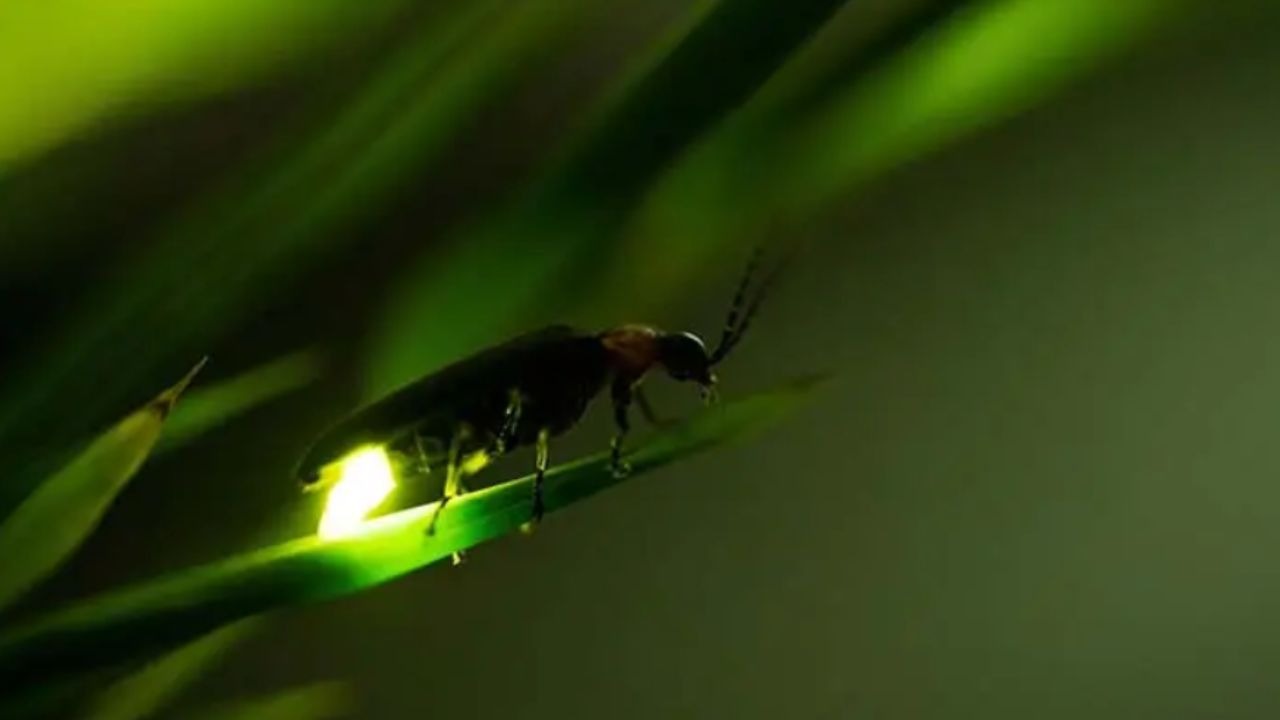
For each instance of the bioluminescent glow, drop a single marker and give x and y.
(475, 462)
(365, 479)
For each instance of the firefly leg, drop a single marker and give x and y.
(453, 474)
(423, 466)
(510, 421)
(453, 488)
(540, 471)
(621, 393)
(646, 408)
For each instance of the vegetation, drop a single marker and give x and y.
(676, 164)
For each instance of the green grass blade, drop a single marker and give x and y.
(980, 67)
(129, 623)
(144, 692)
(318, 701)
(947, 73)
(542, 249)
(277, 216)
(57, 517)
(148, 53)
(204, 409)
(40, 701)
(215, 404)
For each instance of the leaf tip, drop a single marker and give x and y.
(163, 403)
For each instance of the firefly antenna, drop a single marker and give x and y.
(734, 328)
(735, 308)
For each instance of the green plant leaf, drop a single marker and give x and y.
(980, 67)
(145, 53)
(57, 517)
(317, 701)
(56, 699)
(130, 623)
(562, 225)
(278, 216)
(950, 70)
(144, 692)
(204, 409)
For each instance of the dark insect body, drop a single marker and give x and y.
(524, 392)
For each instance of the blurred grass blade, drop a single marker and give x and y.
(279, 217)
(55, 699)
(949, 72)
(124, 624)
(215, 404)
(133, 54)
(50, 524)
(318, 701)
(985, 64)
(148, 690)
(703, 192)
(557, 230)
(211, 406)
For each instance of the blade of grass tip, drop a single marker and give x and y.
(205, 409)
(55, 519)
(211, 406)
(127, 623)
(285, 209)
(318, 701)
(149, 689)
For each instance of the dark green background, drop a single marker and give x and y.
(1045, 484)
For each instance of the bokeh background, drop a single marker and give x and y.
(1038, 246)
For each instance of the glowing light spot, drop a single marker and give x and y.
(475, 462)
(365, 480)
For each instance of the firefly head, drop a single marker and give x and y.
(685, 358)
(633, 350)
